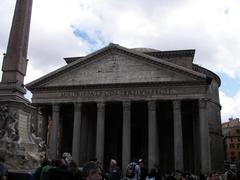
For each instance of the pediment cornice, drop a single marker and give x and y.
(111, 49)
(124, 85)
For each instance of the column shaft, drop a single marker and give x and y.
(100, 131)
(178, 139)
(53, 144)
(204, 138)
(152, 135)
(76, 132)
(126, 139)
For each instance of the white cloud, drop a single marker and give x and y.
(230, 106)
(210, 27)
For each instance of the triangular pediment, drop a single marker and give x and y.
(114, 66)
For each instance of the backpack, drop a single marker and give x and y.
(131, 170)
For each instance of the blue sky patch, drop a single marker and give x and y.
(226, 11)
(84, 36)
(229, 86)
(96, 42)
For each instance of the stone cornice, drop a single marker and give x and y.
(207, 72)
(156, 53)
(111, 49)
(172, 54)
(124, 85)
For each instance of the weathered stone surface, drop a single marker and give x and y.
(116, 68)
(16, 142)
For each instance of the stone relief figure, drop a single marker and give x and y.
(3, 120)
(8, 124)
(38, 140)
(12, 129)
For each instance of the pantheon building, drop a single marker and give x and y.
(123, 103)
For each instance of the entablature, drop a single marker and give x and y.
(121, 92)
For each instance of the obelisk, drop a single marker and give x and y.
(15, 60)
(17, 115)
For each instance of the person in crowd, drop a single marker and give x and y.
(59, 171)
(178, 175)
(152, 175)
(158, 172)
(114, 170)
(73, 168)
(142, 169)
(105, 175)
(133, 170)
(91, 171)
(3, 169)
(66, 159)
(169, 176)
(37, 173)
(45, 171)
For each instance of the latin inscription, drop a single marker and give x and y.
(110, 93)
(23, 124)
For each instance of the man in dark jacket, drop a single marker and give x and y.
(114, 170)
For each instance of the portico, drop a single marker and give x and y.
(119, 103)
(128, 128)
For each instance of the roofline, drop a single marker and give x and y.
(173, 53)
(198, 68)
(158, 54)
(118, 47)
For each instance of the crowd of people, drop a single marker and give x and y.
(67, 169)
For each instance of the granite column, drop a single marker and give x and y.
(76, 132)
(204, 138)
(152, 135)
(100, 131)
(126, 136)
(53, 143)
(178, 139)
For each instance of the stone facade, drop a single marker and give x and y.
(231, 134)
(125, 103)
(232, 145)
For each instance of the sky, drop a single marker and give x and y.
(67, 28)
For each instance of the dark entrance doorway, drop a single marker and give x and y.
(165, 134)
(66, 130)
(139, 130)
(113, 133)
(189, 117)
